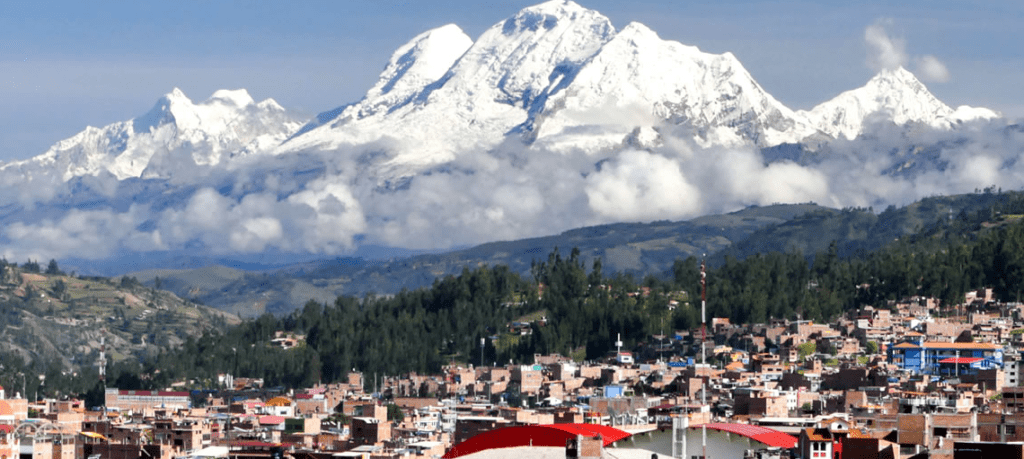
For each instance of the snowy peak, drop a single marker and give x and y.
(412, 67)
(486, 92)
(236, 97)
(638, 79)
(514, 60)
(892, 95)
(175, 133)
(545, 16)
(421, 61)
(214, 113)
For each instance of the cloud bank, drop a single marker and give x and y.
(330, 202)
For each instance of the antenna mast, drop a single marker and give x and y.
(102, 364)
(618, 346)
(703, 358)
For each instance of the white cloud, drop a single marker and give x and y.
(930, 68)
(325, 203)
(637, 185)
(86, 234)
(885, 52)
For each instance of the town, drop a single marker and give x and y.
(913, 380)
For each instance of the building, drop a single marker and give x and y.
(937, 358)
(145, 401)
(815, 443)
(724, 440)
(528, 441)
(981, 450)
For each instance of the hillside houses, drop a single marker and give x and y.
(899, 378)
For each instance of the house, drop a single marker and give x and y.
(815, 443)
(935, 358)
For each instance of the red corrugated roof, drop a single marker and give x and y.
(554, 435)
(770, 437)
(961, 360)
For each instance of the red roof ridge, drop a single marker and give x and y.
(766, 435)
(534, 435)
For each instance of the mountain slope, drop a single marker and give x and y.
(416, 64)
(61, 318)
(637, 79)
(895, 96)
(175, 133)
(636, 248)
(557, 75)
(485, 93)
(550, 120)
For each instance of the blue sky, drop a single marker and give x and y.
(66, 65)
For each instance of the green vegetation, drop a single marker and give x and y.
(568, 307)
(806, 349)
(421, 330)
(52, 325)
(395, 413)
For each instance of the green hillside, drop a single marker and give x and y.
(635, 248)
(51, 320)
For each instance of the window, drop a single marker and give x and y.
(1011, 430)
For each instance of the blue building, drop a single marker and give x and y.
(946, 358)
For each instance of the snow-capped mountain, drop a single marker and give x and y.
(895, 96)
(421, 61)
(551, 119)
(637, 79)
(175, 132)
(557, 75)
(485, 93)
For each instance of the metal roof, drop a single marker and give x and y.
(535, 435)
(961, 360)
(770, 437)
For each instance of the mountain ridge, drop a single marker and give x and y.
(551, 119)
(893, 95)
(538, 71)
